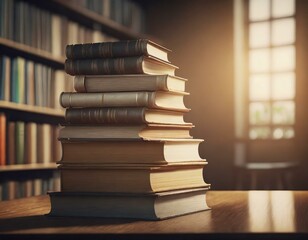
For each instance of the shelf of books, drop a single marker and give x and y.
(20, 49)
(121, 19)
(33, 39)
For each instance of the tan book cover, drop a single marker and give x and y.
(160, 100)
(131, 179)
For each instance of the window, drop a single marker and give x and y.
(271, 69)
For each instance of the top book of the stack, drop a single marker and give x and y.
(124, 57)
(129, 48)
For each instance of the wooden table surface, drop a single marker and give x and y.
(234, 214)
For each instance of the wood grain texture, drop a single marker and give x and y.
(234, 213)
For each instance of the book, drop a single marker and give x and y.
(11, 144)
(150, 206)
(117, 132)
(130, 152)
(131, 179)
(132, 115)
(56, 145)
(2, 139)
(159, 100)
(125, 48)
(20, 142)
(128, 83)
(44, 152)
(125, 65)
(31, 143)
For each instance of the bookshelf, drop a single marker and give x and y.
(5, 105)
(18, 47)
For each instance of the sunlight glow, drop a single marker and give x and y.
(282, 205)
(283, 86)
(283, 31)
(259, 10)
(283, 58)
(259, 87)
(272, 63)
(271, 211)
(283, 8)
(259, 34)
(259, 211)
(259, 60)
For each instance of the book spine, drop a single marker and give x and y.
(2, 139)
(79, 84)
(105, 115)
(20, 142)
(123, 99)
(127, 83)
(129, 65)
(107, 49)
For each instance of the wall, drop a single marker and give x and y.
(200, 34)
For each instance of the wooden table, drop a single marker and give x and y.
(234, 214)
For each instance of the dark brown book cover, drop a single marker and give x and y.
(124, 65)
(111, 49)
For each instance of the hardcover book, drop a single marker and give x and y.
(124, 65)
(159, 100)
(117, 49)
(149, 206)
(118, 132)
(129, 115)
(130, 152)
(133, 179)
(128, 83)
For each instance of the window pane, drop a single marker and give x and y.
(259, 34)
(283, 31)
(283, 86)
(259, 10)
(259, 60)
(283, 8)
(279, 133)
(283, 112)
(259, 132)
(259, 113)
(259, 87)
(283, 58)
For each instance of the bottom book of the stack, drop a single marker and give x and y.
(150, 206)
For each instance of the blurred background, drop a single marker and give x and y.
(246, 65)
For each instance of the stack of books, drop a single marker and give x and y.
(127, 151)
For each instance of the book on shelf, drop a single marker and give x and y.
(5, 78)
(44, 151)
(130, 152)
(118, 132)
(125, 48)
(2, 139)
(159, 100)
(31, 143)
(150, 206)
(131, 178)
(121, 65)
(128, 83)
(11, 156)
(20, 142)
(129, 115)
